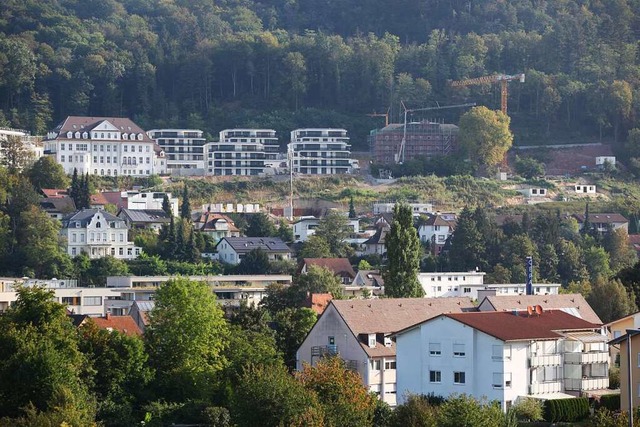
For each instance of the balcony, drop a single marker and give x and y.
(324, 350)
(584, 384)
(546, 387)
(546, 360)
(586, 358)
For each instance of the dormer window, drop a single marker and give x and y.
(140, 137)
(77, 135)
(372, 341)
(387, 341)
(69, 134)
(125, 136)
(85, 135)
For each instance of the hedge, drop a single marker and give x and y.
(610, 401)
(567, 410)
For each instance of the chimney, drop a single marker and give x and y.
(108, 315)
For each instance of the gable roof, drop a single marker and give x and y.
(124, 324)
(98, 199)
(58, 204)
(439, 220)
(370, 277)
(339, 266)
(54, 193)
(208, 221)
(602, 218)
(629, 316)
(145, 215)
(571, 303)
(318, 302)
(115, 198)
(388, 315)
(243, 245)
(507, 326)
(379, 237)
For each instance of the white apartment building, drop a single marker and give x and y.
(231, 290)
(150, 201)
(184, 150)
(106, 146)
(467, 284)
(79, 300)
(304, 228)
(502, 356)
(32, 144)
(436, 230)
(359, 331)
(243, 152)
(320, 151)
(97, 233)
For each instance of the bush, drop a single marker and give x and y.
(610, 401)
(568, 410)
(614, 378)
(528, 409)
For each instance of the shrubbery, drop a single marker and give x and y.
(566, 409)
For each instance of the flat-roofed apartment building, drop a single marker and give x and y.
(320, 151)
(184, 149)
(423, 139)
(243, 152)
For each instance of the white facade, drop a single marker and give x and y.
(320, 151)
(243, 152)
(32, 144)
(533, 192)
(150, 201)
(103, 146)
(79, 300)
(436, 230)
(183, 148)
(231, 250)
(98, 234)
(584, 189)
(601, 160)
(467, 284)
(444, 356)
(304, 228)
(416, 208)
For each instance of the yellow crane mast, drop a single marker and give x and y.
(503, 79)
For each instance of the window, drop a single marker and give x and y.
(458, 378)
(466, 290)
(73, 251)
(62, 158)
(372, 340)
(434, 349)
(498, 380)
(61, 147)
(70, 300)
(375, 364)
(390, 388)
(95, 159)
(92, 300)
(390, 364)
(435, 376)
(497, 353)
(458, 350)
(120, 251)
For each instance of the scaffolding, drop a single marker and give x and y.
(424, 139)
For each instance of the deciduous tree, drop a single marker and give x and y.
(47, 173)
(485, 135)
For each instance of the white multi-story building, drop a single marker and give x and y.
(32, 144)
(320, 151)
(184, 149)
(359, 331)
(502, 356)
(243, 152)
(150, 201)
(97, 233)
(106, 146)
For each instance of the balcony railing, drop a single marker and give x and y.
(546, 360)
(586, 358)
(324, 350)
(583, 384)
(546, 387)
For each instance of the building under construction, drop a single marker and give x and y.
(423, 139)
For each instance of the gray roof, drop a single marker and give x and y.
(84, 217)
(247, 244)
(58, 204)
(145, 215)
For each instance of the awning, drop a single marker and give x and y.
(586, 337)
(550, 396)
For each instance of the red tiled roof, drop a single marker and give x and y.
(115, 198)
(339, 266)
(209, 220)
(507, 326)
(318, 302)
(98, 199)
(124, 324)
(54, 193)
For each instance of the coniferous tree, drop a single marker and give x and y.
(352, 209)
(74, 191)
(403, 251)
(84, 196)
(192, 254)
(185, 208)
(166, 206)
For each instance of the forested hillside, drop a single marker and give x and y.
(287, 63)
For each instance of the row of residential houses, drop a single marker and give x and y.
(113, 146)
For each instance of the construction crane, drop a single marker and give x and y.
(385, 115)
(399, 157)
(503, 79)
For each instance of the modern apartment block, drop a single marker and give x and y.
(320, 151)
(184, 149)
(423, 139)
(107, 146)
(243, 152)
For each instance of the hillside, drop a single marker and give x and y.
(285, 64)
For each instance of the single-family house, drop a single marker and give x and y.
(604, 221)
(359, 332)
(58, 207)
(122, 324)
(150, 219)
(502, 356)
(231, 250)
(304, 228)
(376, 244)
(341, 267)
(436, 230)
(216, 226)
